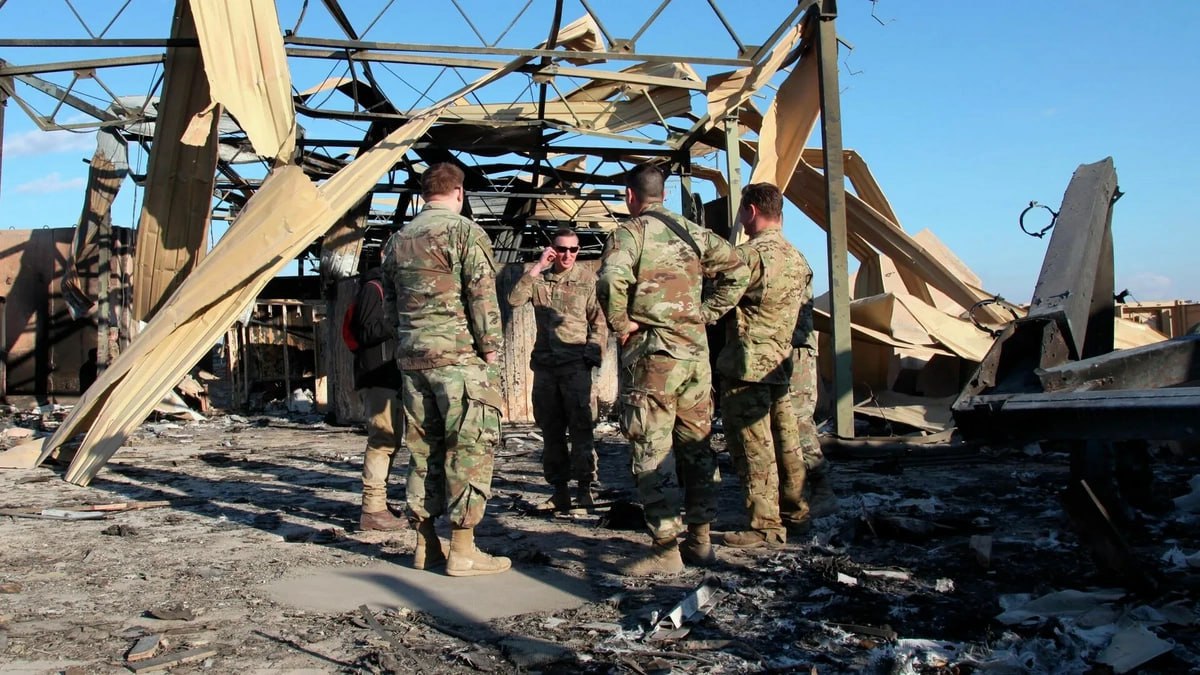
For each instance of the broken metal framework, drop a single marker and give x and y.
(1054, 375)
(326, 167)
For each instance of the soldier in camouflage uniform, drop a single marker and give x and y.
(570, 328)
(377, 378)
(820, 496)
(756, 369)
(441, 283)
(650, 292)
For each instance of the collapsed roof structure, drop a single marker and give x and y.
(544, 133)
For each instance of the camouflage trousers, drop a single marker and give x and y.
(385, 426)
(804, 399)
(453, 418)
(667, 417)
(562, 402)
(764, 442)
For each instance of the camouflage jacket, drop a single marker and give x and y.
(759, 344)
(805, 335)
(654, 278)
(570, 326)
(441, 285)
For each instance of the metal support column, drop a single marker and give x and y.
(687, 201)
(835, 210)
(104, 301)
(733, 159)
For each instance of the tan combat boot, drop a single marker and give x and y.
(822, 501)
(795, 515)
(428, 553)
(467, 561)
(755, 539)
(697, 546)
(663, 559)
(381, 521)
(559, 501)
(583, 495)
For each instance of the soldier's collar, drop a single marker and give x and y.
(774, 231)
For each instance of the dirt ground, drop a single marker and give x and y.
(889, 584)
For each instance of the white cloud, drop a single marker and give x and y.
(52, 182)
(38, 142)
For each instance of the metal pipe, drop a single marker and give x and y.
(725, 22)
(633, 40)
(82, 64)
(551, 43)
(607, 36)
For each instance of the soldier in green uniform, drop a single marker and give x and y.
(649, 290)
(570, 328)
(441, 284)
(756, 370)
(822, 500)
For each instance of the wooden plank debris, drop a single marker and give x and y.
(173, 659)
(53, 514)
(144, 648)
(23, 456)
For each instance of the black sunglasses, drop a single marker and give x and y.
(567, 249)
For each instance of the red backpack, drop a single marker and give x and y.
(349, 321)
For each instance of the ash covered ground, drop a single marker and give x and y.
(898, 581)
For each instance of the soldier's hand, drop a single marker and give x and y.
(633, 328)
(547, 259)
(491, 357)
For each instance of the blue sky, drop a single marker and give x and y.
(965, 111)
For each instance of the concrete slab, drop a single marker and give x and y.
(464, 600)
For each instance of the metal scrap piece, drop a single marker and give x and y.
(694, 606)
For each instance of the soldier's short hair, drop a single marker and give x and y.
(564, 231)
(441, 179)
(766, 197)
(646, 180)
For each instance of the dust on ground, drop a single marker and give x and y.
(889, 584)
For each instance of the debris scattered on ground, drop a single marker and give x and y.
(1132, 647)
(232, 519)
(120, 530)
(146, 647)
(173, 659)
(695, 605)
(532, 654)
(175, 613)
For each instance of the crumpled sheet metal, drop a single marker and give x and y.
(248, 71)
(286, 214)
